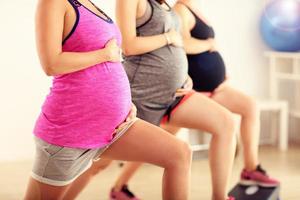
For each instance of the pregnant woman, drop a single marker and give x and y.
(88, 113)
(207, 69)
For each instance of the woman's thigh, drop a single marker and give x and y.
(234, 100)
(144, 142)
(201, 112)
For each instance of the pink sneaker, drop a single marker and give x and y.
(257, 177)
(124, 194)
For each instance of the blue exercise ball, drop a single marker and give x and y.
(280, 25)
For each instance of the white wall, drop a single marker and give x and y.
(23, 85)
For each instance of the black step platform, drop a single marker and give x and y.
(254, 193)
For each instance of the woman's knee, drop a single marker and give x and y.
(180, 157)
(226, 125)
(186, 153)
(251, 108)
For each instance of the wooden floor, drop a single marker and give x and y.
(146, 183)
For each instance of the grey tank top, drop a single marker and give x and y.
(147, 15)
(155, 76)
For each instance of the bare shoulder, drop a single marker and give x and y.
(128, 2)
(53, 5)
(127, 7)
(181, 9)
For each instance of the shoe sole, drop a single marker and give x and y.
(252, 183)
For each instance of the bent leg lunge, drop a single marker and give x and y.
(144, 142)
(240, 103)
(199, 112)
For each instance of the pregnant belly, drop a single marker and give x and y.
(207, 71)
(156, 76)
(105, 98)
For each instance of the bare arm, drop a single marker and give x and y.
(49, 32)
(126, 13)
(191, 44)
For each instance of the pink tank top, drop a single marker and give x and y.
(83, 108)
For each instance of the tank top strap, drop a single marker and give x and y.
(146, 17)
(75, 3)
(157, 4)
(152, 3)
(188, 7)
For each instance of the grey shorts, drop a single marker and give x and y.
(60, 166)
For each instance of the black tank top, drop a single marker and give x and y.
(207, 69)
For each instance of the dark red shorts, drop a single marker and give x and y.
(173, 107)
